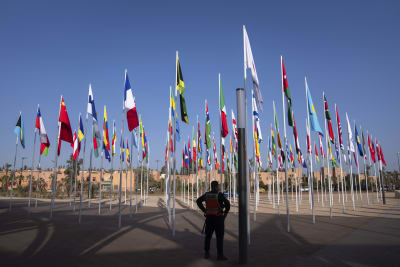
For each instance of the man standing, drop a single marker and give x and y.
(216, 210)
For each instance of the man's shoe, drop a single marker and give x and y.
(222, 258)
(207, 255)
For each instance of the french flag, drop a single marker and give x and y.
(130, 105)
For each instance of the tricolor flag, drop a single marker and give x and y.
(269, 153)
(122, 149)
(194, 145)
(207, 138)
(65, 132)
(249, 64)
(296, 137)
(328, 120)
(222, 109)
(128, 158)
(358, 141)
(44, 139)
(234, 127)
(256, 118)
(77, 147)
(186, 157)
(81, 131)
(286, 91)
(95, 144)
(180, 86)
(130, 105)
(19, 130)
(200, 146)
(91, 109)
(311, 111)
(106, 142)
(273, 143)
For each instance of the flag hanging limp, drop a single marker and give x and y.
(19, 130)
(130, 105)
(180, 86)
(311, 110)
(65, 126)
(222, 108)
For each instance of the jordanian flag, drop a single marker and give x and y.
(222, 109)
(286, 91)
(180, 85)
(328, 120)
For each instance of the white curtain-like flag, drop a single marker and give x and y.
(351, 146)
(249, 63)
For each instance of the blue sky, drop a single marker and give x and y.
(349, 49)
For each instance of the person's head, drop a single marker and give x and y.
(214, 186)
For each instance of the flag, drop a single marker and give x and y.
(234, 127)
(106, 142)
(339, 126)
(256, 144)
(321, 147)
(130, 105)
(91, 109)
(95, 144)
(358, 141)
(363, 144)
(328, 120)
(180, 86)
(371, 149)
(186, 157)
(77, 147)
(316, 152)
(273, 143)
(296, 137)
(122, 149)
(194, 146)
(200, 146)
(222, 109)
(44, 139)
(380, 153)
(207, 138)
(278, 136)
(19, 131)
(65, 132)
(355, 159)
(311, 111)
(172, 103)
(128, 158)
(291, 156)
(249, 64)
(286, 91)
(81, 131)
(215, 153)
(351, 146)
(256, 118)
(114, 140)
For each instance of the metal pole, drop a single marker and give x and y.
(112, 169)
(310, 156)
(37, 182)
(220, 134)
(243, 236)
(137, 173)
(174, 176)
(340, 160)
(54, 180)
(130, 183)
(101, 174)
(327, 161)
(83, 170)
(90, 177)
(13, 177)
(75, 180)
(121, 163)
(30, 179)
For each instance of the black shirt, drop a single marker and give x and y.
(222, 201)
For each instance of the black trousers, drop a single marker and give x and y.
(215, 223)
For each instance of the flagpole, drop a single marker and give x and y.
(315, 158)
(246, 141)
(54, 180)
(137, 172)
(30, 178)
(197, 157)
(340, 158)
(327, 160)
(112, 166)
(147, 178)
(174, 176)
(83, 169)
(101, 172)
(121, 161)
(168, 179)
(37, 182)
(309, 155)
(13, 177)
(365, 167)
(254, 158)
(75, 174)
(382, 186)
(358, 169)
(376, 178)
(90, 175)
(351, 165)
(70, 181)
(131, 170)
(284, 129)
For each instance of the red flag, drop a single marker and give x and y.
(382, 157)
(371, 149)
(65, 126)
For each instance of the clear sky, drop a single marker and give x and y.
(349, 49)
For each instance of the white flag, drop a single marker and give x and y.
(351, 146)
(256, 117)
(249, 63)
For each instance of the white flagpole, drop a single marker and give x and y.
(33, 162)
(174, 176)
(351, 166)
(112, 167)
(75, 180)
(197, 158)
(83, 168)
(365, 167)
(54, 180)
(131, 179)
(121, 161)
(327, 161)
(137, 171)
(37, 182)
(13, 177)
(310, 155)
(340, 160)
(284, 129)
(315, 158)
(101, 173)
(254, 157)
